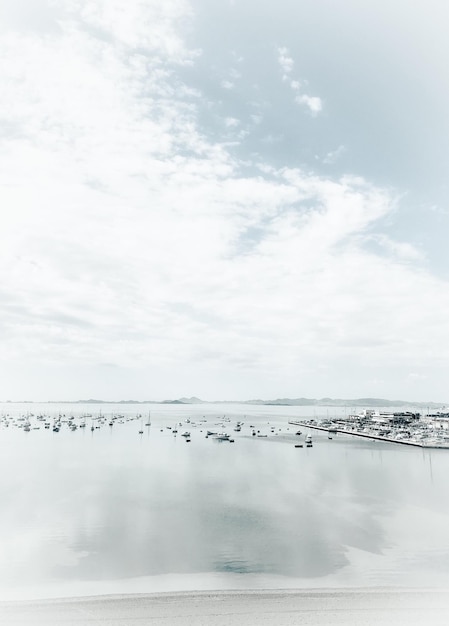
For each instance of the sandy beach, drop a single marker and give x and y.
(249, 608)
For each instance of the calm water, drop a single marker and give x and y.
(112, 510)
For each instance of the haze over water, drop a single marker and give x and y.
(112, 510)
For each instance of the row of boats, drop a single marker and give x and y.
(218, 431)
(308, 441)
(55, 423)
(219, 435)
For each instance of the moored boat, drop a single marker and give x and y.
(221, 437)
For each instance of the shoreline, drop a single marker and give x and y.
(268, 607)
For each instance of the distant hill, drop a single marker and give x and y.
(331, 402)
(349, 402)
(285, 402)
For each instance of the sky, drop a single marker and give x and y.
(224, 199)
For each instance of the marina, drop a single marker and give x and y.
(405, 428)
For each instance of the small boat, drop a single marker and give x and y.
(299, 445)
(221, 437)
(185, 434)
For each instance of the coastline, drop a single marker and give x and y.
(318, 607)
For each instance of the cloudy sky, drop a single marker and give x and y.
(224, 198)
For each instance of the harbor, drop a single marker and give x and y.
(117, 510)
(404, 428)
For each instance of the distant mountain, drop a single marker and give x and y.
(375, 402)
(289, 402)
(349, 402)
(192, 400)
(92, 401)
(331, 402)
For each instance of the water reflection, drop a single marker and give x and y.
(111, 504)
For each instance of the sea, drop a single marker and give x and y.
(111, 509)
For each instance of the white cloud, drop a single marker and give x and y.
(271, 138)
(147, 25)
(128, 237)
(286, 63)
(417, 377)
(314, 103)
(435, 208)
(229, 83)
(256, 118)
(400, 249)
(334, 155)
(231, 122)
